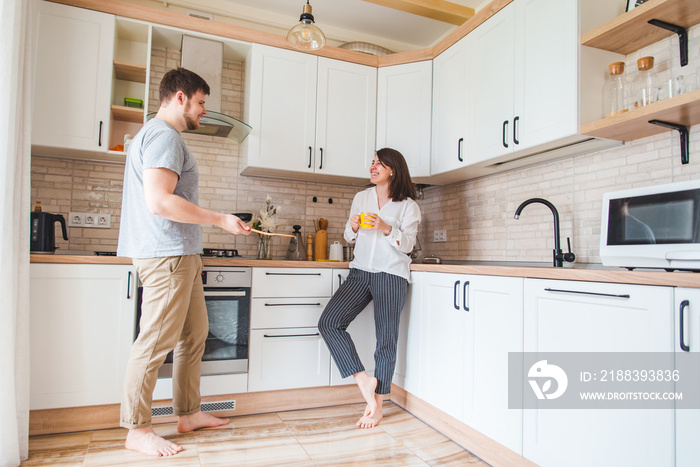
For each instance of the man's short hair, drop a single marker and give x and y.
(181, 79)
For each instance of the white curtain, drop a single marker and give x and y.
(15, 166)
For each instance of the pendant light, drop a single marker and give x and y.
(306, 35)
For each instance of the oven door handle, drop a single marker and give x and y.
(292, 304)
(292, 335)
(228, 293)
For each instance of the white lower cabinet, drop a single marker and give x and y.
(687, 306)
(469, 325)
(362, 332)
(409, 356)
(572, 316)
(82, 324)
(286, 350)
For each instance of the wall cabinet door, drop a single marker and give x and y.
(345, 118)
(526, 57)
(453, 113)
(362, 332)
(82, 325)
(309, 115)
(404, 100)
(571, 316)
(281, 108)
(687, 306)
(72, 80)
(494, 85)
(494, 328)
(547, 71)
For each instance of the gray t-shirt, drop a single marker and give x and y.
(145, 235)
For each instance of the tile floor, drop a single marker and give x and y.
(325, 436)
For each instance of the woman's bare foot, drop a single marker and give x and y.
(198, 420)
(146, 441)
(370, 421)
(367, 386)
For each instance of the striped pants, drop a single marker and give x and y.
(388, 292)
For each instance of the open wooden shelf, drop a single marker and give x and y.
(630, 32)
(130, 72)
(127, 114)
(683, 110)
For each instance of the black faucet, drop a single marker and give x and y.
(558, 255)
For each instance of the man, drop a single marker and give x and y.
(160, 231)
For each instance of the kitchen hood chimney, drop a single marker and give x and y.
(205, 57)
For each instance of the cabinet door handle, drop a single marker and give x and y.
(310, 151)
(294, 335)
(128, 285)
(459, 149)
(505, 127)
(588, 293)
(321, 164)
(340, 280)
(99, 136)
(465, 296)
(515, 130)
(292, 273)
(684, 305)
(454, 296)
(292, 304)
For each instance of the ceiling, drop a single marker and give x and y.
(340, 20)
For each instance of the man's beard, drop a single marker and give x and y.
(192, 124)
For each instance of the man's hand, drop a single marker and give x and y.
(234, 225)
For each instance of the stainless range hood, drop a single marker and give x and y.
(205, 57)
(218, 124)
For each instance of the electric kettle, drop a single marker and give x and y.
(43, 237)
(295, 251)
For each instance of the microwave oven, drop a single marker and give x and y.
(652, 227)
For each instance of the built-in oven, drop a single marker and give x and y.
(227, 296)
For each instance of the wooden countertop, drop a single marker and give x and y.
(661, 278)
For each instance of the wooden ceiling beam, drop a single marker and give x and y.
(440, 10)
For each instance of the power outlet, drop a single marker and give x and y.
(439, 236)
(89, 220)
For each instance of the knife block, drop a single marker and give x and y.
(321, 245)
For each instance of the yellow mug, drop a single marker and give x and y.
(365, 220)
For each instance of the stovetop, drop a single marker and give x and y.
(219, 253)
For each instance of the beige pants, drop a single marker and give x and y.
(173, 316)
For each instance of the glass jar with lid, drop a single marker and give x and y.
(615, 90)
(645, 89)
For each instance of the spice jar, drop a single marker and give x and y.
(615, 90)
(645, 91)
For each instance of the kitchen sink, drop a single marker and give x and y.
(524, 264)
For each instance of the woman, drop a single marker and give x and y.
(379, 272)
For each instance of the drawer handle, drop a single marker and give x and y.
(588, 293)
(292, 304)
(292, 273)
(294, 335)
(684, 304)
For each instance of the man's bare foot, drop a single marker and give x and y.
(146, 441)
(370, 421)
(367, 385)
(186, 423)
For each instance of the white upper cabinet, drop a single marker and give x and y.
(309, 116)
(453, 116)
(281, 107)
(72, 80)
(526, 57)
(404, 99)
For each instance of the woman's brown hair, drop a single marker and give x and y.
(400, 185)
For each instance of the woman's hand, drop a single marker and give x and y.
(355, 223)
(379, 224)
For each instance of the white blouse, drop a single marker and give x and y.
(376, 252)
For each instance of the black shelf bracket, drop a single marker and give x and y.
(685, 139)
(682, 36)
